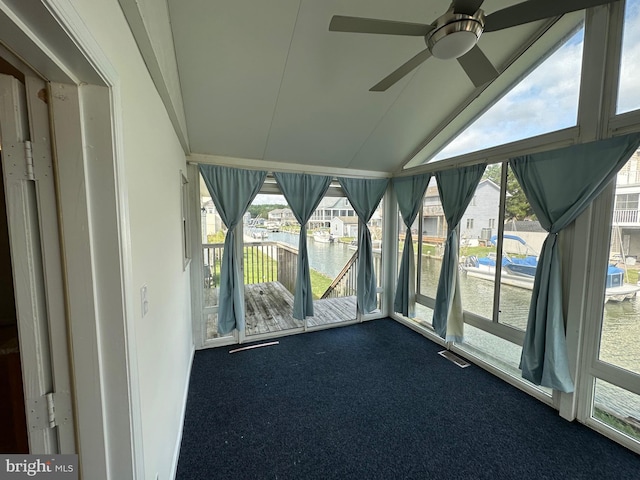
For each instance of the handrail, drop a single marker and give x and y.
(340, 275)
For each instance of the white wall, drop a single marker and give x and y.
(153, 158)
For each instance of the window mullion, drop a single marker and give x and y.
(501, 217)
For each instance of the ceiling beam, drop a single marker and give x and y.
(163, 69)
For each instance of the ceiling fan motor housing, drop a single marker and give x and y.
(455, 34)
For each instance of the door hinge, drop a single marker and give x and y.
(50, 410)
(28, 156)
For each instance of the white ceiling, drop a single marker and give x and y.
(268, 81)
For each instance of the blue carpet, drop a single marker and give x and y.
(375, 401)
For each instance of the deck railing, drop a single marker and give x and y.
(277, 261)
(287, 266)
(344, 285)
(625, 216)
(263, 262)
(212, 254)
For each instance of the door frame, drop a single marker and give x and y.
(84, 109)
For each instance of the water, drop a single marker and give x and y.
(328, 258)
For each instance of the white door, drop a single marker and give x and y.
(35, 256)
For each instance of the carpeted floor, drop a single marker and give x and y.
(375, 401)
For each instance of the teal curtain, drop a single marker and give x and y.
(232, 190)
(409, 193)
(365, 195)
(559, 186)
(303, 193)
(456, 188)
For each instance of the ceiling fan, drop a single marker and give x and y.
(455, 34)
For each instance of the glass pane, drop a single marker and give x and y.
(478, 247)
(213, 234)
(333, 261)
(434, 234)
(402, 232)
(621, 313)
(617, 407)
(522, 242)
(424, 316)
(332, 246)
(496, 351)
(269, 266)
(628, 92)
(376, 228)
(524, 111)
(211, 321)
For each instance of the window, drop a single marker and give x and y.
(213, 233)
(628, 94)
(627, 201)
(433, 237)
(495, 314)
(615, 402)
(524, 111)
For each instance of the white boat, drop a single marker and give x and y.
(323, 237)
(259, 233)
(376, 245)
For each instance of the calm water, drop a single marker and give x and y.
(328, 258)
(620, 343)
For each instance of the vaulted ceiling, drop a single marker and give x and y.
(268, 81)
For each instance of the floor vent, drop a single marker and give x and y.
(454, 358)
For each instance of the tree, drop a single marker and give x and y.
(517, 206)
(263, 210)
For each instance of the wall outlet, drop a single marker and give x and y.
(144, 302)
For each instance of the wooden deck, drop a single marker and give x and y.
(269, 309)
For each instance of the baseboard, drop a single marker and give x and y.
(176, 453)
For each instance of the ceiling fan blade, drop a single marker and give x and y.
(533, 10)
(400, 72)
(478, 67)
(340, 23)
(468, 7)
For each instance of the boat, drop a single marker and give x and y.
(376, 245)
(259, 233)
(521, 271)
(323, 237)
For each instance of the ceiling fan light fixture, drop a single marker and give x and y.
(455, 34)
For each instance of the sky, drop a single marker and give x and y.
(547, 99)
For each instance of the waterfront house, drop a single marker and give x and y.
(434, 223)
(480, 219)
(344, 227)
(625, 238)
(109, 109)
(281, 216)
(210, 220)
(330, 208)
